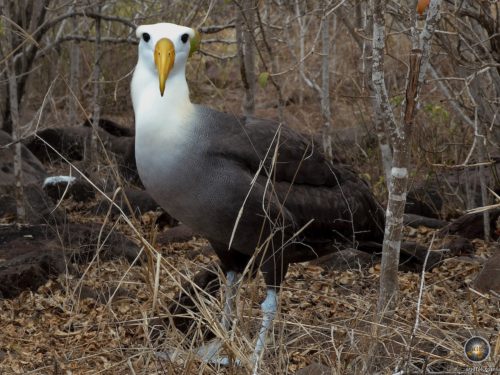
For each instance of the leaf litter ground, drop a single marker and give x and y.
(96, 322)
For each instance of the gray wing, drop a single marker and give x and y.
(248, 140)
(304, 182)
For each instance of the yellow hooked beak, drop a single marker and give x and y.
(164, 60)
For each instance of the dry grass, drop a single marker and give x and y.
(324, 316)
(72, 326)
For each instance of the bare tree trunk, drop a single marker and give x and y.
(29, 17)
(18, 166)
(302, 35)
(484, 192)
(333, 39)
(481, 112)
(360, 14)
(481, 156)
(375, 53)
(389, 282)
(96, 75)
(383, 116)
(274, 66)
(74, 77)
(401, 139)
(245, 26)
(362, 23)
(384, 147)
(14, 118)
(424, 39)
(325, 87)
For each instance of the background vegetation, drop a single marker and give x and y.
(309, 64)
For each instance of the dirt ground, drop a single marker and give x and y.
(96, 322)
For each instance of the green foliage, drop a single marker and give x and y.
(126, 9)
(195, 43)
(437, 112)
(263, 78)
(397, 100)
(379, 186)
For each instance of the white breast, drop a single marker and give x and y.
(162, 123)
(171, 149)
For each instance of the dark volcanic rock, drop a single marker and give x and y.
(69, 142)
(413, 257)
(488, 278)
(124, 149)
(139, 200)
(128, 167)
(112, 128)
(415, 221)
(30, 255)
(28, 259)
(181, 233)
(33, 265)
(424, 202)
(471, 225)
(33, 170)
(39, 208)
(348, 259)
(83, 241)
(452, 189)
(58, 187)
(165, 220)
(459, 246)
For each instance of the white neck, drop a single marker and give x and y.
(162, 123)
(150, 105)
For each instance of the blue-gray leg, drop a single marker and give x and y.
(269, 308)
(210, 352)
(229, 300)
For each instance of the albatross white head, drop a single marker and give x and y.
(159, 76)
(160, 95)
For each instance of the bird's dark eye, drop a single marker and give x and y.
(146, 37)
(184, 38)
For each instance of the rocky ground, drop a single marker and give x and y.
(78, 286)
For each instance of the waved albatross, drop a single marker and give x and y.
(256, 190)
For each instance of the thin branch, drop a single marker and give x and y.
(378, 76)
(216, 28)
(433, 16)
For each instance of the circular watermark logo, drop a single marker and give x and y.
(477, 349)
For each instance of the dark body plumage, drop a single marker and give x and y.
(228, 177)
